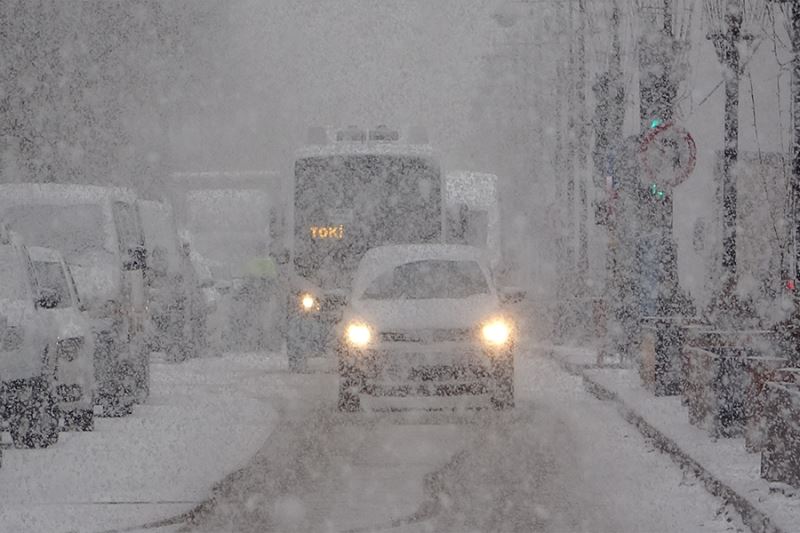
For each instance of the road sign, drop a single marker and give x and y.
(668, 155)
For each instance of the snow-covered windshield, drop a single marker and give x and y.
(429, 279)
(13, 286)
(74, 229)
(50, 277)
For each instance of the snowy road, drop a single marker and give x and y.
(562, 461)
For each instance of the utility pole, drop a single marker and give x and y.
(609, 117)
(794, 233)
(727, 47)
(796, 127)
(582, 138)
(571, 147)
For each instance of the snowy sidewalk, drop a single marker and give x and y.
(204, 419)
(724, 465)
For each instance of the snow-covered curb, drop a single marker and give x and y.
(204, 419)
(726, 469)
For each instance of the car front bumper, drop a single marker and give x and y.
(412, 369)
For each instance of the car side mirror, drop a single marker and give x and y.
(48, 298)
(511, 295)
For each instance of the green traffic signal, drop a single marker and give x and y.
(659, 194)
(656, 122)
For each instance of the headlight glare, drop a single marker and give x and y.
(496, 332)
(358, 335)
(308, 302)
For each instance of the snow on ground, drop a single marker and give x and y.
(725, 459)
(204, 419)
(560, 461)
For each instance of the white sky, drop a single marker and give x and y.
(298, 63)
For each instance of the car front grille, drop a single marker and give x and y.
(447, 372)
(427, 335)
(332, 302)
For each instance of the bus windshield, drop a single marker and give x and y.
(345, 205)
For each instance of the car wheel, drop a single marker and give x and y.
(349, 401)
(116, 407)
(37, 425)
(118, 397)
(503, 394)
(79, 420)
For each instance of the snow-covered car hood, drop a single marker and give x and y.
(69, 322)
(13, 311)
(433, 313)
(95, 281)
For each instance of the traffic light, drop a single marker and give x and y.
(656, 122)
(657, 192)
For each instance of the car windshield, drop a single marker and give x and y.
(75, 230)
(50, 277)
(429, 279)
(13, 286)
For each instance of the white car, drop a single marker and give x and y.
(425, 321)
(74, 377)
(28, 355)
(98, 230)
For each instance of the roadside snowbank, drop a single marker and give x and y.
(722, 460)
(203, 420)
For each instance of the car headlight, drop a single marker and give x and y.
(68, 349)
(308, 303)
(358, 334)
(496, 332)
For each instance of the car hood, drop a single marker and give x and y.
(70, 322)
(419, 314)
(95, 282)
(12, 312)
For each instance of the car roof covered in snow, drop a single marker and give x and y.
(44, 255)
(61, 194)
(382, 258)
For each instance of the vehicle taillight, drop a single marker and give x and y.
(68, 349)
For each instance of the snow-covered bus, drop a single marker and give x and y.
(354, 189)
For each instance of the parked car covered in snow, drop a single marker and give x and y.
(28, 354)
(74, 377)
(425, 321)
(99, 231)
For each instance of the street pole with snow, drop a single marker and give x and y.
(727, 47)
